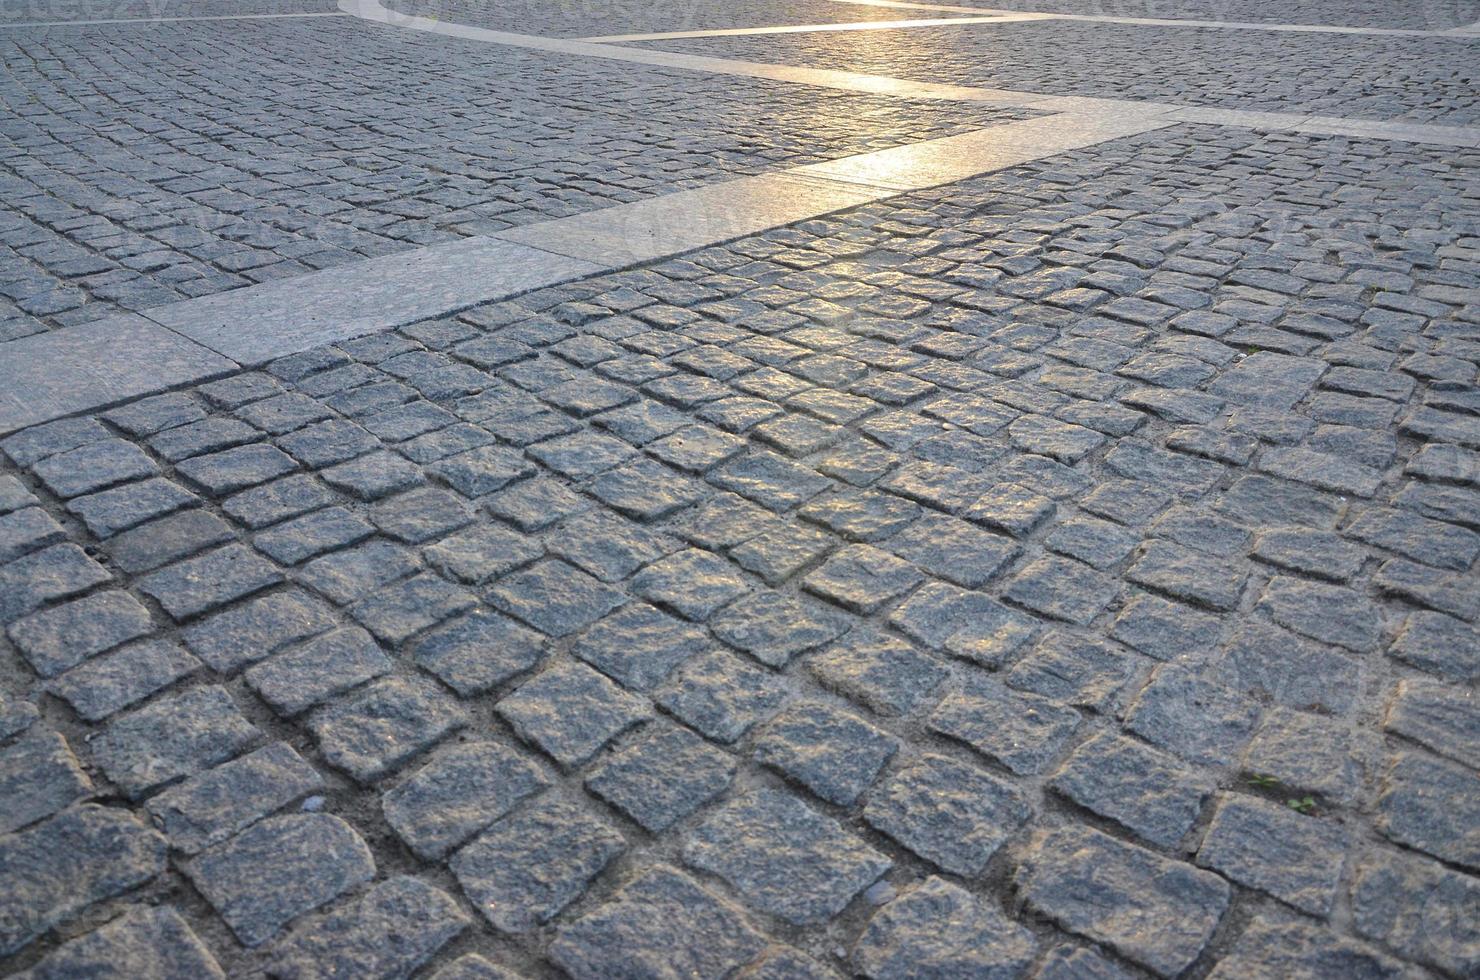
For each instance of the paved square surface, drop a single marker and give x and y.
(768, 490)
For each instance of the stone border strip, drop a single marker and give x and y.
(49, 375)
(871, 25)
(1465, 32)
(256, 324)
(173, 20)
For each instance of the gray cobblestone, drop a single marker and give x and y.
(784, 858)
(273, 872)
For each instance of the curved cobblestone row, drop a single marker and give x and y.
(1065, 573)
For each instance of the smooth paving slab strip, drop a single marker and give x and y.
(1240, 25)
(878, 25)
(49, 375)
(259, 323)
(953, 158)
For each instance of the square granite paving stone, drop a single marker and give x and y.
(885, 675)
(1023, 732)
(441, 443)
(146, 547)
(607, 546)
(33, 444)
(1155, 912)
(1149, 793)
(373, 476)
(94, 364)
(570, 712)
(283, 413)
(94, 467)
(771, 480)
(862, 578)
(945, 488)
(1263, 845)
(662, 922)
(1276, 945)
(344, 576)
(952, 815)
(27, 530)
(641, 422)
(904, 938)
(1011, 509)
(861, 515)
(419, 515)
(638, 645)
(206, 436)
(482, 553)
(239, 389)
(58, 572)
(721, 695)
(536, 503)
(662, 775)
(113, 681)
(376, 729)
(458, 793)
(14, 495)
(275, 870)
(1076, 670)
(391, 930)
(110, 511)
(1062, 589)
(236, 469)
(59, 868)
(1430, 805)
(63, 636)
(696, 448)
(295, 680)
(244, 634)
(581, 454)
(834, 753)
(1396, 898)
(784, 858)
(773, 628)
(279, 500)
(953, 550)
(152, 942)
(171, 737)
(555, 598)
(526, 868)
(1266, 662)
(39, 775)
(693, 582)
(481, 471)
(404, 422)
(198, 585)
(395, 612)
(213, 805)
(781, 552)
(326, 443)
(645, 490)
(478, 652)
(296, 541)
(1191, 716)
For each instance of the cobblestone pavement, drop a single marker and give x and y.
(1064, 573)
(139, 171)
(1376, 77)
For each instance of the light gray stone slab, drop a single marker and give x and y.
(953, 158)
(259, 323)
(661, 226)
(48, 375)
